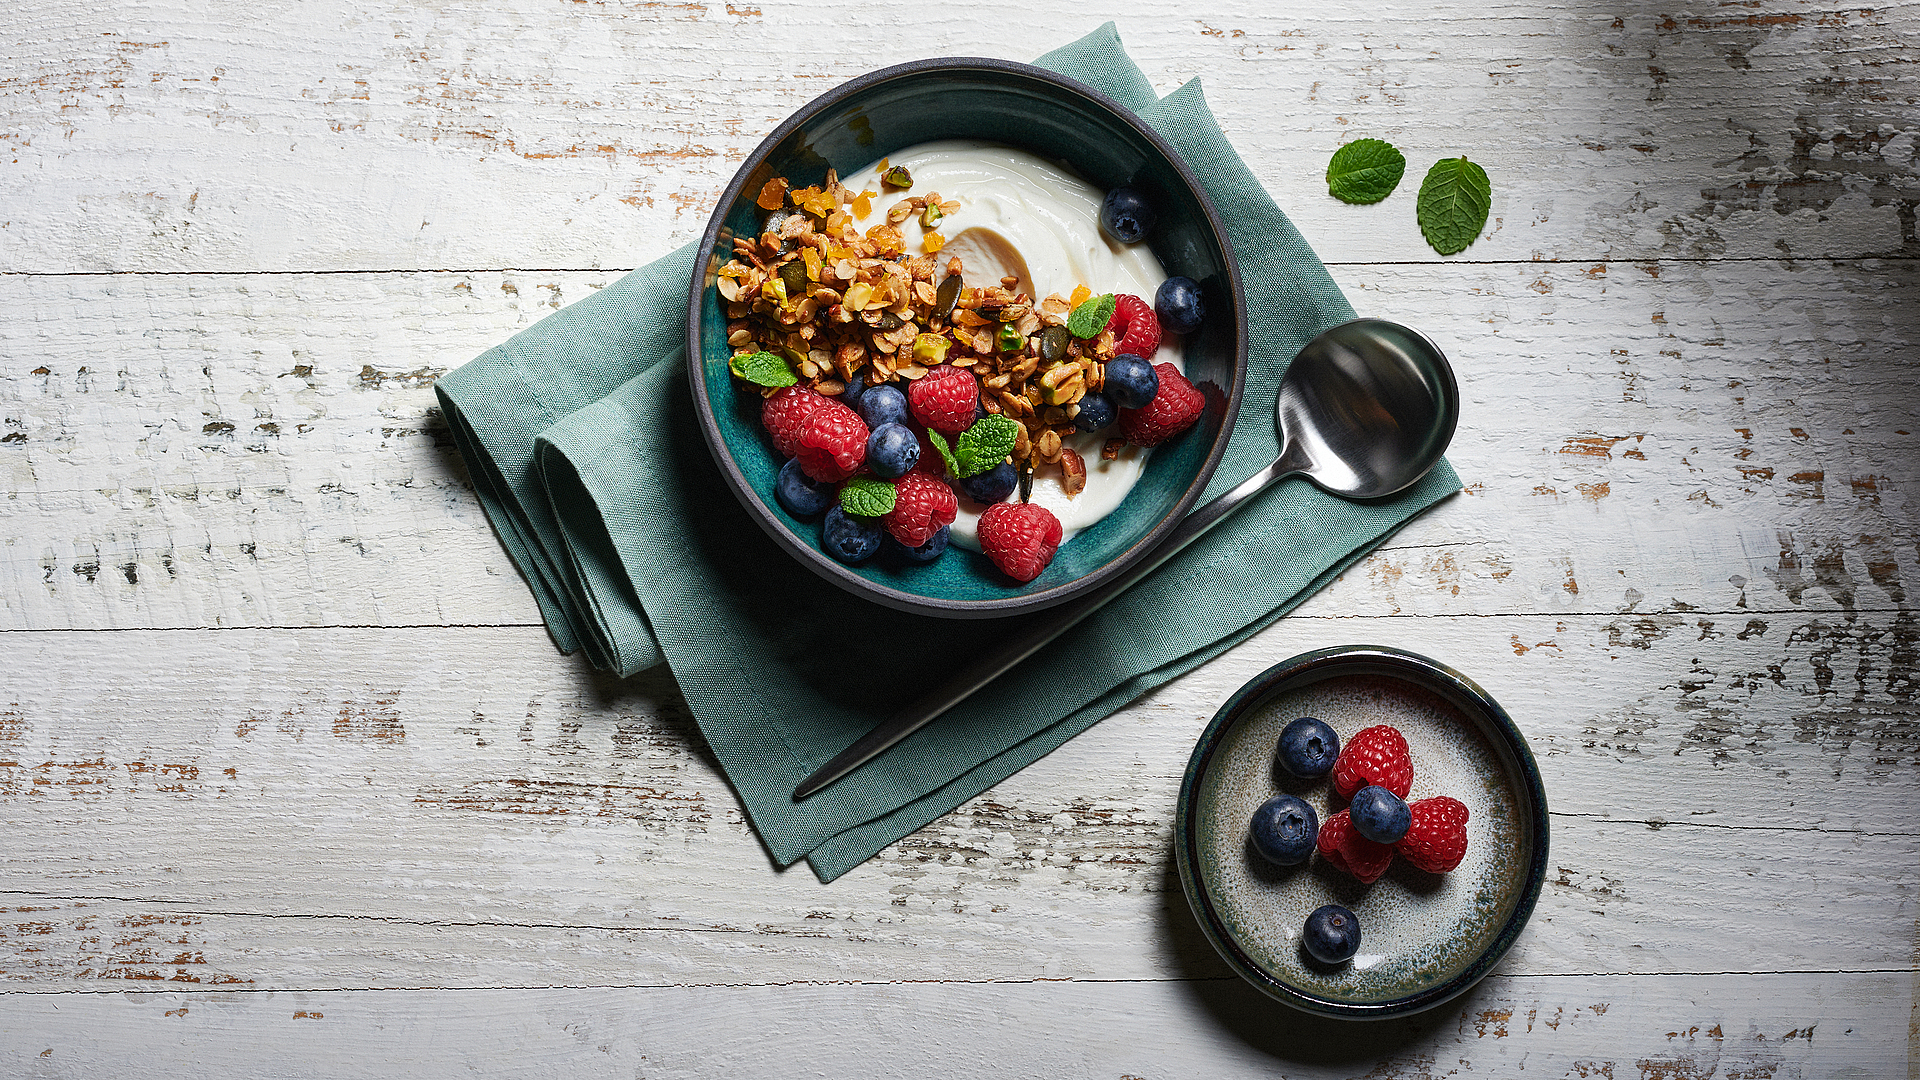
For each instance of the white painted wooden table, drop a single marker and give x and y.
(292, 782)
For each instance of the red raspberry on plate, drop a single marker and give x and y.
(921, 504)
(785, 413)
(944, 399)
(831, 442)
(1345, 849)
(1437, 839)
(1375, 755)
(1136, 329)
(1020, 538)
(1172, 410)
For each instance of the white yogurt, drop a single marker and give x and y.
(1023, 216)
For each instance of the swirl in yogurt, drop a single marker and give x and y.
(1024, 217)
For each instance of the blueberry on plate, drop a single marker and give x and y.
(883, 404)
(1178, 305)
(1096, 412)
(1332, 934)
(991, 486)
(802, 495)
(1131, 381)
(1380, 815)
(1308, 748)
(1126, 215)
(847, 538)
(892, 451)
(894, 551)
(1284, 830)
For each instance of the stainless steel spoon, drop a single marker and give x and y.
(1364, 411)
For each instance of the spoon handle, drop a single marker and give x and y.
(1039, 631)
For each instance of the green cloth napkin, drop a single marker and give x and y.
(584, 449)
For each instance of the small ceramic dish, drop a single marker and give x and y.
(1425, 938)
(1061, 120)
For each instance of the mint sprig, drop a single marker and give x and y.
(1091, 316)
(763, 369)
(979, 448)
(985, 445)
(868, 496)
(1365, 171)
(1453, 205)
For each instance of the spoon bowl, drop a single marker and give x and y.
(1366, 409)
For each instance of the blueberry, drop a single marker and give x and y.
(1096, 412)
(883, 404)
(1308, 748)
(1131, 381)
(1178, 305)
(1380, 815)
(894, 551)
(1284, 830)
(892, 450)
(802, 495)
(847, 538)
(1332, 934)
(991, 486)
(1126, 215)
(850, 397)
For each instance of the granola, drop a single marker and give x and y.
(839, 303)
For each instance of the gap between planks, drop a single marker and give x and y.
(1555, 261)
(265, 627)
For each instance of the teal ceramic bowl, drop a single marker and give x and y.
(1061, 120)
(1425, 938)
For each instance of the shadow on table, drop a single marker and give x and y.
(1279, 1031)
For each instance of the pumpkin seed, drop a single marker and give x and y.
(794, 276)
(1053, 343)
(943, 300)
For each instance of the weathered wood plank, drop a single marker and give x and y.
(375, 135)
(485, 803)
(231, 450)
(1619, 1026)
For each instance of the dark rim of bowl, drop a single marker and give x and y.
(1312, 667)
(810, 555)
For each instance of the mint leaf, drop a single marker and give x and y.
(1091, 316)
(867, 496)
(939, 442)
(763, 369)
(1454, 201)
(985, 445)
(1365, 171)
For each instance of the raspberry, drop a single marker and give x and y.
(831, 443)
(785, 413)
(1375, 755)
(1136, 329)
(1020, 538)
(944, 399)
(1437, 839)
(921, 504)
(1345, 849)
(1172, 410)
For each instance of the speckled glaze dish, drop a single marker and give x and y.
(1061, 120)
(1425, 938)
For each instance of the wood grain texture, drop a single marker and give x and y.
(456, 135)
(1618, 1026)
(198, 450)
(484, 813)
(293, 783)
